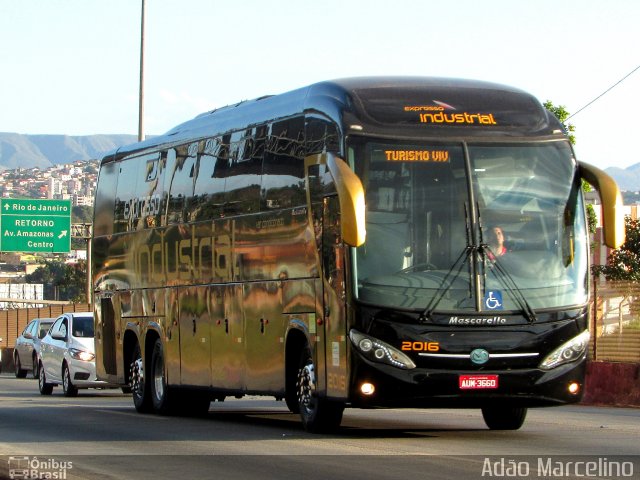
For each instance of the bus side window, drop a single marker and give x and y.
(208, 193)
(283, 169)
(242, 186)
(321, 135)
(105, 205)
(181, 179)
(125, 206)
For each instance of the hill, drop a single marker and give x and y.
(628, 179)
(27, 151)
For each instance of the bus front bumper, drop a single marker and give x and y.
(421, 387)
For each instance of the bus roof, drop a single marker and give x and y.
(398, 106)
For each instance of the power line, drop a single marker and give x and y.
(606, 91)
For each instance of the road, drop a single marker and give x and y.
(99, 435)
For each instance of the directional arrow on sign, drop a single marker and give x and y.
(63, 234)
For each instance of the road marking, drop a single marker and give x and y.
(133, 414)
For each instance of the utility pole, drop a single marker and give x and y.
(141, 98)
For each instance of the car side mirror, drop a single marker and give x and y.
(28, 336)
(58, 335)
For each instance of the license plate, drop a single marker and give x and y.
(477, 382)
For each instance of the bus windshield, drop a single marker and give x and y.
(468, 227)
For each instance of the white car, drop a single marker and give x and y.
(25, 353)
(67, 356)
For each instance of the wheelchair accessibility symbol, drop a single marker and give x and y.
(493, 300)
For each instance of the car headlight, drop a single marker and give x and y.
(81, 355)
(567, 352)
(379, 351)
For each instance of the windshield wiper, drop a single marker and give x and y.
(446, 285)
(509, 283)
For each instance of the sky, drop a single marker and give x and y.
(72, 66)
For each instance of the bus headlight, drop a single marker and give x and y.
(567, 352)
(379, 351)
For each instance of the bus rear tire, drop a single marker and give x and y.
(318, 415)
(165, 399)
(507, 418)
(139, 381)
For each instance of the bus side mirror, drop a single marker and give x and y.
(350, 195)
(612, 204)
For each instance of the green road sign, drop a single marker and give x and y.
(35, 225)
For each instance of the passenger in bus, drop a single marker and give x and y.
(496, 243)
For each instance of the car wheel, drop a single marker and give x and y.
(44, 387)
(68, 387)
(35, 366)
(20, 372)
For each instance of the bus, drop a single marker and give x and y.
(364, 242)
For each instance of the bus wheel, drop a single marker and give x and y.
(506, 418)
(318, 414)
(163, 398)
(139, 383)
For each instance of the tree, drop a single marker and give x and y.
(61, 281)
(624, 263)
(562, 114)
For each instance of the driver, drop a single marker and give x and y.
(496, 242)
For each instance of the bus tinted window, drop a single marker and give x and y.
(283, 171)
(208, 193)
(180, 176)
(104, 202)
(242, 178)
(125, 194)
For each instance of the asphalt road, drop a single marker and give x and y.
(99, 435)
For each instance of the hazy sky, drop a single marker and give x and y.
(72, 66)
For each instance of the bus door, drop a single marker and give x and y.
(334, 297)
(227, 337)
(195, 336)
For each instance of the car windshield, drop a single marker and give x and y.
(83, 327)
(470, 227)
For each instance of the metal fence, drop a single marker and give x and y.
(13, 321)
(616, 324)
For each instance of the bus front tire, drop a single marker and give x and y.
(319, 415)
(507, 418)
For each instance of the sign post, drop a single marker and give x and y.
(35, 225)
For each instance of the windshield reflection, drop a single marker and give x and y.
(510, 219)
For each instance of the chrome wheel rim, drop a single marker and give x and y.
(137, 376)
(306, 387)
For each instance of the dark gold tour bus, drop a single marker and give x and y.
(367, 242)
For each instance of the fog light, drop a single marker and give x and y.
(367, 388)
(574, 387)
